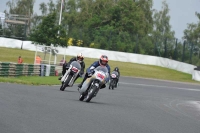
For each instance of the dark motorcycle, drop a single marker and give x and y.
(70, 75)
(113, 80)
(92, 85)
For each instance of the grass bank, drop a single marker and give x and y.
(126, 69)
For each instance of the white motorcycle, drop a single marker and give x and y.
(70, 75)
(92, 84)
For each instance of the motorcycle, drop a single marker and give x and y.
(91, 86)
(70, 75)
(113, 80)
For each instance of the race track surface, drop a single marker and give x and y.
(136, 106)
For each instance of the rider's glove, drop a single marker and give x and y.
(91, 72)
(107, 79)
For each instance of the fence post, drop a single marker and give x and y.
(191, 51)
(183, 51)
(136, 46)
(165, 53)
(175, 50)
(155, 45)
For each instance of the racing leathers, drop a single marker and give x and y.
(66, 67)
(90, 70)
(117, 73)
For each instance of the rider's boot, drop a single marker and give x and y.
(60, 77)
(103, 86)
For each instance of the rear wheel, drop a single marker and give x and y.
(65, 84)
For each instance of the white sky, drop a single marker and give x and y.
(181, 12)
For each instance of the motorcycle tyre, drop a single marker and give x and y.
(91, 95)
(64, 85)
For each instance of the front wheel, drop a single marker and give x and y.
(111, 85)
(114, 84)
(65, 84)
(81, 98)
(61, 87)
(91, 93)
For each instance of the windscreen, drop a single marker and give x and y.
(76, 64)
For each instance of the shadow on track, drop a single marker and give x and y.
(68, 91)
(94, 102)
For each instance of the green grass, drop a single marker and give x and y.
(126, 69)
(34, 80)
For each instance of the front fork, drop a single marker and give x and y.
(63, 79)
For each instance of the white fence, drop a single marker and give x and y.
(113, 55)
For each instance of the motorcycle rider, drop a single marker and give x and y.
(78, 58)
(116, 69)
(103, 61)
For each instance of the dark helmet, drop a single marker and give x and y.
(116, 69)
(103, 60)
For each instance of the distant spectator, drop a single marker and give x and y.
(38, 60)
(20, 60)
(62, 62)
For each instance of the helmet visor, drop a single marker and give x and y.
(80, 58)
(103, 62)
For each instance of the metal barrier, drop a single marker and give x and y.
(14, 69)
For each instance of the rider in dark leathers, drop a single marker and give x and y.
(103, 61)
(117, 70)
(78, 58)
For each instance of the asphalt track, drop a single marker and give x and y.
(136, 106)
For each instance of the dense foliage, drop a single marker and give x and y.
(48, 32)
(120, 25)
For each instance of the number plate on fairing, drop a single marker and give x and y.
(101, 76)
(113, 76)
(74, 69)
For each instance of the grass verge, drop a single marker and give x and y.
(126, 69)
(34, 80)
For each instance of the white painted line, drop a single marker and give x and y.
(188, 89)
(162, 80)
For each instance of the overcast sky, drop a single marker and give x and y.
(181, 12)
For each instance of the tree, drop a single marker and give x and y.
(46, 33)
(193, 30)
(146, 6)
(51, 6)
(162, 33)
(22, 8)
(1, 29)
(192, 35)
(43, 8)
(35, 20)
(109, 24)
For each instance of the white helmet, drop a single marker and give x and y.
(80, 57)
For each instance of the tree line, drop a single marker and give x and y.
(121, 25)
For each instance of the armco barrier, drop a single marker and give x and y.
(5, 69)
(13, 69)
